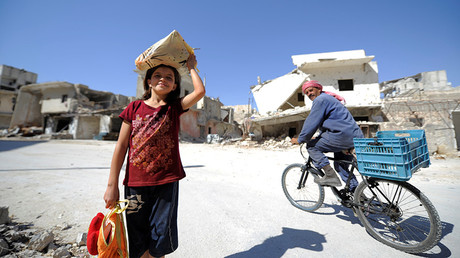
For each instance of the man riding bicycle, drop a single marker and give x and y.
(337, 128)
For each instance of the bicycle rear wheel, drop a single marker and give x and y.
(300, 189)
(398, 215)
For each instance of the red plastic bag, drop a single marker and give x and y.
(93, 233)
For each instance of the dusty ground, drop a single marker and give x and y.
(231, 202)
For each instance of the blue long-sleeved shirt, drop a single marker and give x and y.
(334, 121)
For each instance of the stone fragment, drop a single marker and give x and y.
(4, 218)
(81, 239)
(29, 253)
(41, 241)
(61, 252)
(4, 248)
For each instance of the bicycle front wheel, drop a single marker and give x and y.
(398, 215)
(300, 189)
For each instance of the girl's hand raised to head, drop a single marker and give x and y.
(198, 87)
(191, 62)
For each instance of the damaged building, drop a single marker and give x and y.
(66, 110)
(424, 101)
(74, 111)
(11, 80)
(351, 74)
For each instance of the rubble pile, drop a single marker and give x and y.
(24, 240)
(23, 131)
(281, 142)
(272, 143)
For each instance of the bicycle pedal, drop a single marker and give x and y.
(354, 211)
(347, 204)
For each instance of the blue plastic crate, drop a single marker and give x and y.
(392, 154)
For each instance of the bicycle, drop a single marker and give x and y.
(392, 210)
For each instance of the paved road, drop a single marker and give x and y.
(231, 202)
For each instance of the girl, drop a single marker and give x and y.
(150, 131)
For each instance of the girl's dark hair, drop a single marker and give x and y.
(173, 94)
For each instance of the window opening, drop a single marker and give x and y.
(345, 85)
(361, 118)
(300, 97)
(292, 132)
(63, 124)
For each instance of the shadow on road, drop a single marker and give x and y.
(47, 169)
(11, 145)
(194, 166)
(440, 250)
(340, 211)
(289, 239)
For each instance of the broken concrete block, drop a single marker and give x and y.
(4, 218)
(61, 252)
(81, 239)
(4, 248)
(41, 241)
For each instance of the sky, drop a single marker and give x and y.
(95, 43)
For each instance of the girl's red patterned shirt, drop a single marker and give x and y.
(153, 155)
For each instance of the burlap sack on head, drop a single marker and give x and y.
(171, 50)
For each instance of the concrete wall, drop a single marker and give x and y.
(456, 122)
(27, 111)
(189, 125)
(365, 79)
(13, 79)
(7, 103)
(424, 101)
(139, 84)
(435, 117)
(426, 81)
(210, 108)
(434, 80)
(105, 125)
(228, 130)
(123, 100)
(299, 60)
(211, 127)
(87, 127)
(240, 112)
(58, 100)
